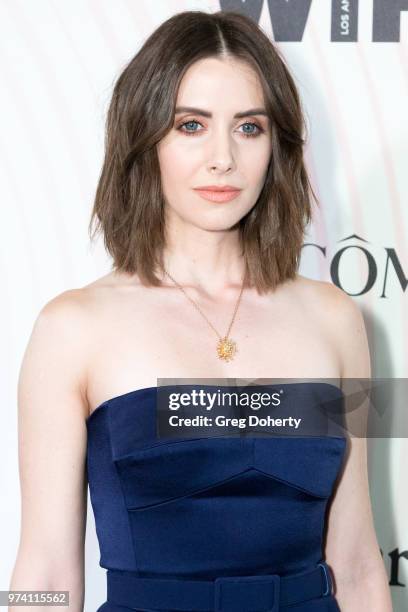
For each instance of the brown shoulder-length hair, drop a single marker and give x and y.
(129, 202)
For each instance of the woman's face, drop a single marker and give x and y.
(219, 149)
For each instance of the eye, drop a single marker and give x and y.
(258, 130)
(188, 123)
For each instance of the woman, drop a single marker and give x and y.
(204, 284)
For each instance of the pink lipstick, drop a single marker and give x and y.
(218, 193)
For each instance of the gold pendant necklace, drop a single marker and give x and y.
(226, 347)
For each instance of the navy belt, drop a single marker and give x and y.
(257, 593)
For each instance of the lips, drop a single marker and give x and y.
(220, 194)
(217, 188)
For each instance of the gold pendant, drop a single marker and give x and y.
(226, 349)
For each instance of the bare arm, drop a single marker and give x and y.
(52, 453)
(352, 549)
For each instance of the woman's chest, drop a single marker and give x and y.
(139, 341)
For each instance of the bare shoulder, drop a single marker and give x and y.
(64, 318)
(70, 303)
(60, 348)
(315, 290)
(71, 317)
(327, 300)
(343, 320)
(56, 348)
(76, 305)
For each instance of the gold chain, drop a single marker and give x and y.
(226, 347)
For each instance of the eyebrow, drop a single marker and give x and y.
(204, 113)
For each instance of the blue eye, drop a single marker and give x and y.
(188, 123)
(246, 134)
(254, 125)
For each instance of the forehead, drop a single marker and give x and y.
(226, 82)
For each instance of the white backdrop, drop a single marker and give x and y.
(58, 62)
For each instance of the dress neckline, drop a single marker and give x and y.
(136, 392)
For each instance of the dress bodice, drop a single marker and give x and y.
(204, 507)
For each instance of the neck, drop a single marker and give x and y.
(210, 261)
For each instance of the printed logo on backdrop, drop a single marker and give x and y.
(388, 271)
(289, 18)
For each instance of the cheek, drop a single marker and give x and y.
(256, 166)
(175, 164)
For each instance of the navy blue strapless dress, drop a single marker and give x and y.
(217, 523)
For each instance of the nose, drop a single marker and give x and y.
(221, 155)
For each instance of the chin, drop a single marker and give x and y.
(217, 225)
